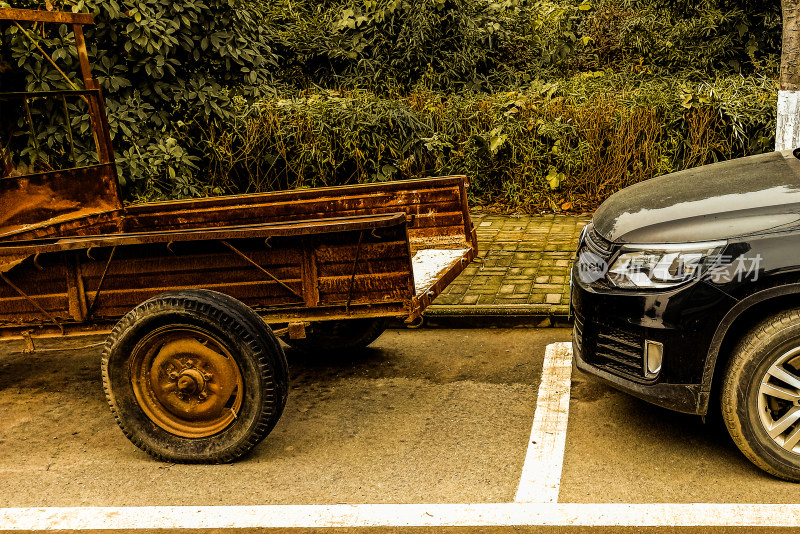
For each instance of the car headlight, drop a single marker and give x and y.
(662, 266)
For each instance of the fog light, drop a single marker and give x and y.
(653, 355)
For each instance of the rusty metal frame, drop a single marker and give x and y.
(106, 171)
(305, 235)
(87, 95)
(48, 17)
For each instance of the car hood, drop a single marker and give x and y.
(718, 201)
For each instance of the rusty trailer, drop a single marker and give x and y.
(193, 293)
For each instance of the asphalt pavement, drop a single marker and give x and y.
(424, 415)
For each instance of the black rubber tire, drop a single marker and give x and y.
(753, 356)
(256, 351)
(339, 336)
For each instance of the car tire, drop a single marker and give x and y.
(194, 376)
(339, 336)
(760, 396)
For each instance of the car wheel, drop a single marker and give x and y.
(339, 336)
(194, 376)
(760, 395)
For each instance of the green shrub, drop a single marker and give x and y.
(396, 46)
(557, 144)
(700, 37)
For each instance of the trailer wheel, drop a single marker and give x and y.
(194, 376)
(338, 336)
(760, 395)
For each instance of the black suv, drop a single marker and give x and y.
(686, 289)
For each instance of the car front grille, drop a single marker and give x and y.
(619, 350)
(598, 245)
(593, 258)
(577, 334)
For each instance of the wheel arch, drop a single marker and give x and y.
(734, 325)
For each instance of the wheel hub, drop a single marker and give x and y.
(190, 381)
(186, 382)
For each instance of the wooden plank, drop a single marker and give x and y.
(50, 17)
(300, 195)
(197, 265)
(363, 283)
(309, 272)
(118, 302)
(18, 310)
(323, 208)
(339, 253)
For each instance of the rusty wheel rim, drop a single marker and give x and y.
(186, 381)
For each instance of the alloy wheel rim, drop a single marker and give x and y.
(779, 401)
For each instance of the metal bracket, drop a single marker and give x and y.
(100, 283)
(297, 330)
(30, 347)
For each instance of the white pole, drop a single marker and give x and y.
(787, 132)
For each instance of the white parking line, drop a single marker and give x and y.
(402, 515)
(541, 473)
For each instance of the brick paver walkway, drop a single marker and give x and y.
(523, 267)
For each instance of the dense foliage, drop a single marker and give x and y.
(545, 104)
(555, 145)
(165, 67)
(396, 45)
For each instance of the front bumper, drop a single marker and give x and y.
(612, 326)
